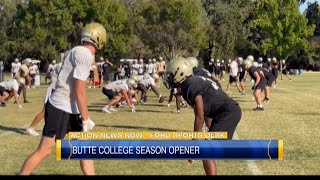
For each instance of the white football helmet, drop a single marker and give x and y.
(247, 63)
(250, 58)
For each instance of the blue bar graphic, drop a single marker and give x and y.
(171, 149)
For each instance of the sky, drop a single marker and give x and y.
(305, 5)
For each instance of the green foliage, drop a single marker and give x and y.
(313, 16)
(176, 27)
(283, 30)
(229, 25)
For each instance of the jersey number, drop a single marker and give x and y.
(214, 84)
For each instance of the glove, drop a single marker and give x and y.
(253, 87)
(169, 105)
(87, 125)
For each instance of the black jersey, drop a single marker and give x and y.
(215, 100)
(251, 72)
(267, 74)
(204, 73)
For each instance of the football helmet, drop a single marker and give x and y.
(155, 76)
(178, 70)
(136, 77)
(274, 59)
(27, 61)
(94, 33)
(250, 58)
(132, 83)
(193, 62)
(247, 63)
(21, 81)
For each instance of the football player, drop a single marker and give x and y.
(9, 89)
(117, 90)
(260, 83)
(146, 83)
(207, 100)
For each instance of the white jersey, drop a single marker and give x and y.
(33, 69)
(53, 81)
(147, 81)
(51, 67)
(135, 69)
(141, 68)
(15, 67)
(10, 85)
(117, 86)
(76, 66)
(233, 68)
(149, 68)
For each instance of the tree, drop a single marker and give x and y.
(313, 16)
(229, 27)
(283, 30)
(55, 26)
(174, 27)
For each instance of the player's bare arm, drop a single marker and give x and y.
(198, 113)
(257, 78)
(81, 96)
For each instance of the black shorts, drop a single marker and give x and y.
(233, 79)
(241, 76)
(161, 73)
(217, 72)
(109, 93)
(270, 80)
(285, 72)
(275, 73)
(2, 90)
(227, 121)
(58, 122)
(91, 75)
(262, 84)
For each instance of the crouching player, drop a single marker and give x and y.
(9, 89)
(117, 90)
(207, 100)
(146, 83)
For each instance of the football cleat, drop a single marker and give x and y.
(161, 100)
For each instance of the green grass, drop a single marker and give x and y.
(292, 115)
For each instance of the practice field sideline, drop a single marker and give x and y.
(292, 115)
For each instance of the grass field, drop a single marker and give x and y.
(292, 115)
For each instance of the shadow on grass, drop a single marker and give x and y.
(13, 129)
(138, 128)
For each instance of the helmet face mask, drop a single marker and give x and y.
(94, 33)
